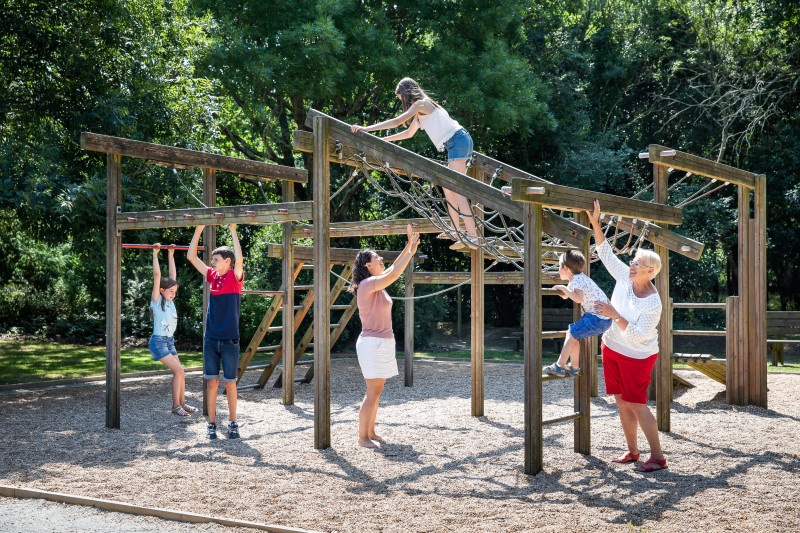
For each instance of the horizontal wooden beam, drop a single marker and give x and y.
(701, 166)
(366, 228)
(572, 199)
(489, 278)
(257, 170)
(476, 191)
(339, 256)
(662, 237)
(215, 216)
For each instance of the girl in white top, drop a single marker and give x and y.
(630, 346)
(424, 113)
(165, 321)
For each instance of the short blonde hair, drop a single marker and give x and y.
(650, 259)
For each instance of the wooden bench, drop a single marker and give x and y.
(553, 319)
(780, 325)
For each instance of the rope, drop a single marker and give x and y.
(175, 172)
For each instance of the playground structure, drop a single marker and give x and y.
(531, 202)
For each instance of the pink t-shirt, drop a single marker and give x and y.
(375, 310)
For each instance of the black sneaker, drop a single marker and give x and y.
(211, 432)
(233, 430)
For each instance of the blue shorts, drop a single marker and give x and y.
(589, 325)
(459, 146)
(226, 351)
(161, 346)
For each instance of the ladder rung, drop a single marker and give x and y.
(308, 267)
(334, 326)
(302, 363)
(299, 380)
(303, 287)
(268, 348)
(341, 307)
(275, 328)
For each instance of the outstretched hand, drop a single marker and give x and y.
(355, 128)
(594, 215)
(413, 238)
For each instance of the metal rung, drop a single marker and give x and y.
(560, 419)
(340, 307)
(275, 328)
(299, 380)
(268, 348)
(308, 267)
(334, 326)
(303, 287)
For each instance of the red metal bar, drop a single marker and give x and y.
(165, 246)
(275, 293)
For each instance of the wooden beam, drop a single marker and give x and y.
(489, 278)
(181, 156)
(338, 256)
(441, 175)
(572, 199)
(322, 286)
(759, 283)
(210, 241)
(287, 273)
(660, 236)
(113, 291)
(477, 312)
(206, 216)
(698, 165)
(582, 438)
(367, 228)
(408, 330)
(732, 349)
(532, 340)
(663, 366)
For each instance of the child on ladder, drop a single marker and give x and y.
(165, 321)
(446, 134)
(581, 289)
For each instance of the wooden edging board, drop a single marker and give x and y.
(120, 507)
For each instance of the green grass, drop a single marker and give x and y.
(36, 360)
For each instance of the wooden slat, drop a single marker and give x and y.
(287, 318)
(408, 329)
(441, 175)
(235, 214)
(338, 256)
(703, 167)
(792, 317)
(759, 282)
(113, 291)
(532, 341)
(582, 389)
(715, 369)
(210, 241)
(662, 236)
(731, 345)
(367, 228)
(182, 156)
(572, 199)
(741, 381)
(663, 366)
(477, 332)
(705, 305)
(698, 332)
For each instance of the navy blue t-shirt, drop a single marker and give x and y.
(222, 319)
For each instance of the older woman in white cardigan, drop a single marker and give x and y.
(630, 346)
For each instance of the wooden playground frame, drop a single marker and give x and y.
(746, 313)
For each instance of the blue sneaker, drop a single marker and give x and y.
(555, 369)
(233, 430)
(211, 431)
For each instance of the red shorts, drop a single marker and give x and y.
(627, 376)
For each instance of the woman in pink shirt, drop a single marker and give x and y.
(375, 346)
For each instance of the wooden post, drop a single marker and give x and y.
(731, 347)
(663, 370)
(458, 311)
(477, 331)
(759, 284)
(739, 380)
(113, 290)
(210, 243)
(288, 273)
(581, 402)
(408, 333)
(532, 299)
(322, 284)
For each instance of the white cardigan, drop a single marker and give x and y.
(640, 338)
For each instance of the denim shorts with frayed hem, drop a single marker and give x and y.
(459, 146)
(589, 325)
(161, 347)
(225, 351)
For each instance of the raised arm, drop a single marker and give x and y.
(405, 134)
(238, 265)
(391, 274)
(156, 294)
(613, 264)
(173, 273)
(192, 253)
(423, 106)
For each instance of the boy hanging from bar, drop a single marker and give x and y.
(221, 340)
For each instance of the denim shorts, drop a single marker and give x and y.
(162, 346)
(459, 146)
(589, 325)
(226, 351)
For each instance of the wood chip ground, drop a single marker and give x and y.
(730, 468)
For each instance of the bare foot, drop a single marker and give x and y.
(376, 437)
(366, 443)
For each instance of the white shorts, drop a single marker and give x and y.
(376, 357)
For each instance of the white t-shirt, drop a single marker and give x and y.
(591, 293)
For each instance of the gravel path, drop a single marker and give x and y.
(730, 468)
